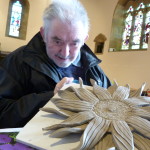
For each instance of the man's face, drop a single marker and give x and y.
(64, 41)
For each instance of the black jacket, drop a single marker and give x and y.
(28, 78)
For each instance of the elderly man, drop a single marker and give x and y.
(55, 56)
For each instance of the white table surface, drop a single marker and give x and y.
(33, 135)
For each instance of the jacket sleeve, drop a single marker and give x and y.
(98, 75)
(16, 107)
(104, 80)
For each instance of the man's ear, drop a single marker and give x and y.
(86, 38)
(42, 32)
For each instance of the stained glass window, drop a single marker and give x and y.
(127, 30)
(15, 19)
(141, 6)
(136, 28)
(146, 31)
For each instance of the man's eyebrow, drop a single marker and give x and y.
(76, 40)
(56, 38)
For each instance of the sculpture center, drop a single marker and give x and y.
(112, 109)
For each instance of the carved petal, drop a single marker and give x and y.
(105, 143)
(61, 112)
(122, 135)
(65, 131)
(81, 83)
(121, 93)
(79, 118)
(74, 120)
(138, 101)
(146, 108)
(141, 142)
(86, 95)
(145, 98)
(101, 93)
(137, 93)
(140, 124)
(75, 106)
(113, 88)
(93, 82)
(64, 94)
(141, 113)
(93, 133)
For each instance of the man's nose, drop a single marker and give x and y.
(65, 50)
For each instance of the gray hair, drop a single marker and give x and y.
(67, 11)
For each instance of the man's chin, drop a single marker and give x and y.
(63, 65)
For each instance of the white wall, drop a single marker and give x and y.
(125, 67)
(34, 23)
(131, 67)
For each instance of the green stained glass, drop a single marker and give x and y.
(15, 19)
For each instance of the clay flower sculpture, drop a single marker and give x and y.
(113, 117)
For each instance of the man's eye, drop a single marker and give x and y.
(58, 42)
(74, 44)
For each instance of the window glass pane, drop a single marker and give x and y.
(127, 30)
(141, 6)
(15, 19)
(130, 9)
(137, 30)
(146, 31)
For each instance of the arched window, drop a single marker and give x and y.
(17, 19)
(133, 28)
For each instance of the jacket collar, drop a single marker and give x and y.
(77, 62)
(34, 56)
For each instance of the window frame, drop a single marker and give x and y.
(24, 20)
(118, 24)
(145, 10)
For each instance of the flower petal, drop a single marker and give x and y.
(122, 135)
(141, 112)
(93, 133)
(93, 82)
(79, 118)
(81, 83)
(65, 131)
(105, 143)
(101, 92)
(141, 142)
(121, 93)
(147, 108)
(136, 93)
(74, 120)
(113, 88)
(61, 112)
(138, 101)
(139, 124)
(64, 94)
(86, 95)
(145, 98)
(75, 106)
